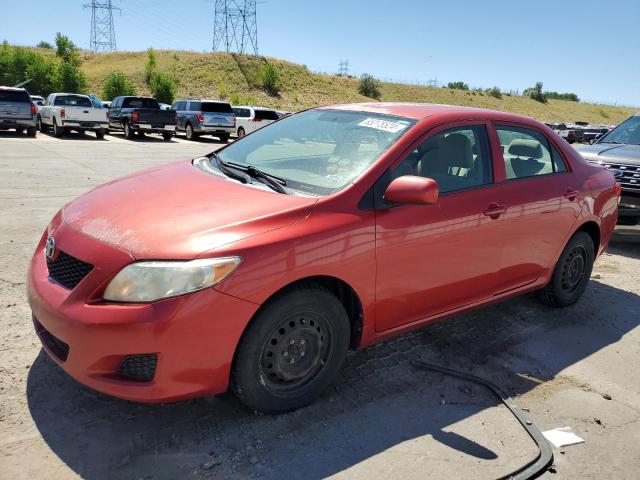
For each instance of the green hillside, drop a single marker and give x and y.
(221, 75)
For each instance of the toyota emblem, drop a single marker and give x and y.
(50, 248)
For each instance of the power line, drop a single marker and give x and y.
(235, 27)
(103, 35)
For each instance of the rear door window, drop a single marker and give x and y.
(14, 96)
(266, 115)
(195, 106)
(528, 153)
(216, 107)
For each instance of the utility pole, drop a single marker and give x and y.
(103, 35)
(343, 68)
(235, 26)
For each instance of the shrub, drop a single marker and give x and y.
(150, 65)
(234, 99)
(70, 77)
(117, 84)
(222, 90)
(19, 64)
(603, 113)
(571, 97)
(369, 86)
(270, 78)
(494, 92)
(163, 88)
(458, 85)
(536, 93)
(44, 44)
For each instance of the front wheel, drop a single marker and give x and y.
(572, 272)
(241, 132)
(292, 350)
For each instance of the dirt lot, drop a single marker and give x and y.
(383, 419)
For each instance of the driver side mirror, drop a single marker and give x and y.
(412, 189)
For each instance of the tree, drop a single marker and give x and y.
(458, 85)
(536, 93)
(19, 64)
(494, 92)
(71, 78)
(369, 86)
(270, 78)
(117, 84)
(44, 44)
(163, 88)
(150, 65)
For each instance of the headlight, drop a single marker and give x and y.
(143, 282)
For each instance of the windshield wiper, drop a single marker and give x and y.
(274, 182)
(231, 172)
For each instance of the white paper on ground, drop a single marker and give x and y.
(562, 437)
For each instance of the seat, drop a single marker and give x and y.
(451, 164)
(525, 158)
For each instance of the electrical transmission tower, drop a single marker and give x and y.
(343, 68)
(235, 28)
(103, 35)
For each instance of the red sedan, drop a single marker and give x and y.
(257, 267)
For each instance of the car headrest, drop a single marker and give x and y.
(525, 148)
(456, 151)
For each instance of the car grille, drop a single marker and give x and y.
(53, 343)
(630, 178)
(141, 368)
(68, 271)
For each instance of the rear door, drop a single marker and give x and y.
(541, 202)
(114, 113)
(14, 105)
(218, 114)
(436, 258)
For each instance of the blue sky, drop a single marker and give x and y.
(588, 47)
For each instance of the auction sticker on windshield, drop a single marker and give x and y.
(384, 125)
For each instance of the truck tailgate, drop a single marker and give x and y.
(84, 114)
(155, 117)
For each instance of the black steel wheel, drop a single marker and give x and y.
(241, 132)
(572, 272)
(292, 350)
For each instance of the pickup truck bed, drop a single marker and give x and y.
(141, 115)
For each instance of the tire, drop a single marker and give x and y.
(572, 272)
(167, 136)
(40, 125)
(100, 134)
(224, 138)
(31, 132)
(292, 350)
(57, 131)
(189, 133)
(128, 131)
(241, 132)
(19, 130)
(141, 134)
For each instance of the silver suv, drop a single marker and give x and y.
(198, 117)
(17, 111)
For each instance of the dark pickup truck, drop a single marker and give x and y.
(141, 115)
(619, 151)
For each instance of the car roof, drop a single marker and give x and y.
(418, 111)
(255, 108)
(13, 89)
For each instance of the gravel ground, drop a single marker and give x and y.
(383, 419)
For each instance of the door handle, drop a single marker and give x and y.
(571, 194)
(495, 210)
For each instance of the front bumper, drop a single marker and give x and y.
(194, 336)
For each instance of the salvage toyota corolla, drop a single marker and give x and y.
(257, 267)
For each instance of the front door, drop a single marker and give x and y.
(436, 258)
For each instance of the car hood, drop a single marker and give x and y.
(611, 153)
(178, 212)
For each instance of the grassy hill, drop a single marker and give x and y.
(221, 75)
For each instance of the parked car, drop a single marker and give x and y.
(205, 117)
(619, 151)
(17, 111)
(141, 115)
(165, 106)
(569, 134)
(106, 105)
(249, 119)
(591, 133)
(257, 267)
(64, 112)
(38, 100)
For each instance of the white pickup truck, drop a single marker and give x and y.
(69, 111)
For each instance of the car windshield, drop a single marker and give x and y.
(628, 132)
(318, 151)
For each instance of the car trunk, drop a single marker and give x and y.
(217, 115)
(15, 105)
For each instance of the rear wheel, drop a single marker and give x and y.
(167, 136)
(19, 130)
(292, 351)
(128, 131)
(224, 138)
(241, 132)
(189, 133)
(31, 131)
(100, 134)
(572, 272)
(57, 131)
